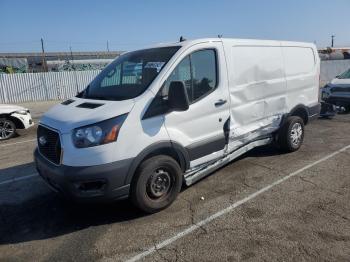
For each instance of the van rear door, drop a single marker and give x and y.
(201, 128)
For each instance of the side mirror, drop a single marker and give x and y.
(177, 96)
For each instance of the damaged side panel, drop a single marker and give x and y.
(257, 89)
(265, 83)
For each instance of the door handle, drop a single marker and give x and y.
(220, 102)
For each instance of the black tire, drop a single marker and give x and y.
(286, 140)
(7, 129)
(161, 173)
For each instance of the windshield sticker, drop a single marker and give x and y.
(157, 65)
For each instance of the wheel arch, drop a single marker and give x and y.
(18, 123)
(301, 111)
(168, 148)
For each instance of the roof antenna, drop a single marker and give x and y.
(182, 39)
(219, 36)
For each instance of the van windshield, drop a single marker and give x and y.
(129, 75)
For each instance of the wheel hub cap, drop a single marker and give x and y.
(158, 184)
(296, 134)
(5, 129)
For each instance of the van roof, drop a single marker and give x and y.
(237, 41)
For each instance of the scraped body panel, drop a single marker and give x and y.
(266, 80)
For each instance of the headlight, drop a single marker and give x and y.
(98, 134)
(22, 112)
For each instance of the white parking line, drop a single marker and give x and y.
(20, 142)
(18, 179)
(229, 208)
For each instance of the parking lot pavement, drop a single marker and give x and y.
(303, 218)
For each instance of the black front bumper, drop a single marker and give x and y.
(338, 100)
(88, 183)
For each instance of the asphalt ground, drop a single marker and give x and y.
(265, 206)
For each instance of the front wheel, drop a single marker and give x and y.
(156, 184)
(291, 134)
(7, 129)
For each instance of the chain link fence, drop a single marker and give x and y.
(24, 87)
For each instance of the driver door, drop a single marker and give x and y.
(200, 129)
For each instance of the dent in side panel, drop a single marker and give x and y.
(257, 92)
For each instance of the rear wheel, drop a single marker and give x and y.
(291, 134)
(156, 184)
(7, 129)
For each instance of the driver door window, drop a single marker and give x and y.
(198, 72)
(203, 65)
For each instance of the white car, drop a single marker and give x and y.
(158, 117)
(13, 117)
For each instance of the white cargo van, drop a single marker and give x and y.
(158, 117)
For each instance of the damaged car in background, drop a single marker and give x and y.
(336, 95)
(13, 117)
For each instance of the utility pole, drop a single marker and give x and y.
(107, 47)
(44, 65)
(71, 54)
(73, 66)
(332, 40)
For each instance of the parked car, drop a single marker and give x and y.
(13, 117)
(337, 92)
(180, 112)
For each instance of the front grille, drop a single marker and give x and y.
(340, 89)
(49, 144)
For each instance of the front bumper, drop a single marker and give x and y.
(88, 183)
(26, 119)
(338, 100)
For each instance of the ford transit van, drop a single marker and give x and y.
(157, 118)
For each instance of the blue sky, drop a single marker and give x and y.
(87, 25)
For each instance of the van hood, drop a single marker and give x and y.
(77, 112)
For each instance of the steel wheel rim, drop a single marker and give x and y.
(296, 134)
(158, 184)
(6, 129)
